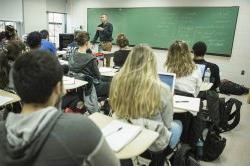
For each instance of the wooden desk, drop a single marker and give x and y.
(73, 85)
(15, 98)
(140, 144)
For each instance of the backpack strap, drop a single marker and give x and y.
(234, 115)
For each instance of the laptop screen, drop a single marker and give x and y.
(169, 79)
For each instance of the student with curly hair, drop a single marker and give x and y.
(121, 55)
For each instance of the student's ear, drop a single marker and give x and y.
(59, 90)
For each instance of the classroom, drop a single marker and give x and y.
(124, 82)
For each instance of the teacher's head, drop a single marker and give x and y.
(104, 18)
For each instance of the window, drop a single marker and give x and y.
(56, 22)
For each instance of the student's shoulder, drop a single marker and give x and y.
(78, 122)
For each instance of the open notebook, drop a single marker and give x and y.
(118, 134)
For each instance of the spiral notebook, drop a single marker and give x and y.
(118, 134)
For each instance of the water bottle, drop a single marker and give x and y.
(199, 149)
(207, 75)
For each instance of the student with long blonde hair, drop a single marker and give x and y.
(137, 95)
(180, 62)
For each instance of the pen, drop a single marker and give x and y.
(182, 101)
(120, 128)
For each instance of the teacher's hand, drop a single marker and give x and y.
(99, 28)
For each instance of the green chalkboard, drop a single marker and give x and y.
(161, 26)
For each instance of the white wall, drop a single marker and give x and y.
(35, 13)
(35, 17)
(11, 10)
(230, 67)
(56, 6)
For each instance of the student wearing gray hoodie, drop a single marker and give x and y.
(41, 134)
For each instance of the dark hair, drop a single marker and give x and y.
(122, 40)
(82, 38)
(4, 70)
(44, 33)
(199, 48)
(14, 49)
(35, 74)
(2, 36)
(34, 39)
(10, 32)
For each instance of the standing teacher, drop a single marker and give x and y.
(104, 31)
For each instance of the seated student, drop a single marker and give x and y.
(137, 95)
(83, 62)
(13, 50)
(200, 49)
(72, 47)
(8, 35)
(34, 40)
(120, 56)
(179, 61)
(41, 134)
(46, 45)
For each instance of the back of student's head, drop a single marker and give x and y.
(4, 70)
(34, 40)
(135, 90)
(199, 48)
(44, 34)
(14, 49)
(35, 75)
(122, 40)
(10, 32)
(179, 60)
(82, 38)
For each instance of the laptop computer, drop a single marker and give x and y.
(168, 79)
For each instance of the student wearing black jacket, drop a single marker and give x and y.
(121, 55)
(83, 62)
(199, 49)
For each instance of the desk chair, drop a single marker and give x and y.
(157, 158)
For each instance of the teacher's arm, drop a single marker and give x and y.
(95, 37)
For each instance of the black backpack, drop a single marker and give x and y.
(229, 87)
(214, 144)
(229, 119)
(184, 157)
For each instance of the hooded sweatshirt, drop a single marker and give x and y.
(84, 63)
(49, 137)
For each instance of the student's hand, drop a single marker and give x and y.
(99, 28)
